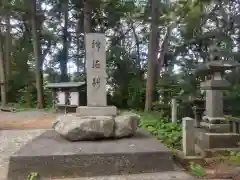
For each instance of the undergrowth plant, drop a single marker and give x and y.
(230, 156)
(167, 132)
(234, 157)
(197, 170)
(33, 176)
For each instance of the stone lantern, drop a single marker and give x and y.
(214, 119)
(214, 122)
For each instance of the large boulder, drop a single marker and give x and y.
(126, 125)
(75, 128)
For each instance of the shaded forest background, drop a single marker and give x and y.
(153, 48)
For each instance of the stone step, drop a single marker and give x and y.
(171, 175)
(52, 156)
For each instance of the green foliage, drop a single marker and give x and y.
(234, 157)
(48, 98)
(27, 97)
(231, 101)
(197, 170)
(162, 107)
(33, 176)
(167, 132)
(54, 124)
(230, 157)
(136, 90)
(126, 79)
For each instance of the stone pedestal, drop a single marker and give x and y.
(215, 133)
(216, 124)
(96, 111)
(53, 156)
(207, 140)
(216, 128)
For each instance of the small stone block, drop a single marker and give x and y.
(96, 111)
(188, 137)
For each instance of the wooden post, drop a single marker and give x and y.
(54, 94)
(174, 110)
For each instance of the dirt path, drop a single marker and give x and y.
(26, 120)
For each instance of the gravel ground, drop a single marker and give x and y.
(10, 142)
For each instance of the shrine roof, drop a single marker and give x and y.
(65, 84)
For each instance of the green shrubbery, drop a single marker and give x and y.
(167, 132)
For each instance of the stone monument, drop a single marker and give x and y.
(217, 127)
(54, 155)
(96, 120)
(96, 78)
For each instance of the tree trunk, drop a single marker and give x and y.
(79, 27)
(37, 56)
(152, 54)
(87, 23)
(164, 45)
(138, 60)
(2, 77)
(161, 60)
(7, 48)
(64, 57)
(6, 44)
